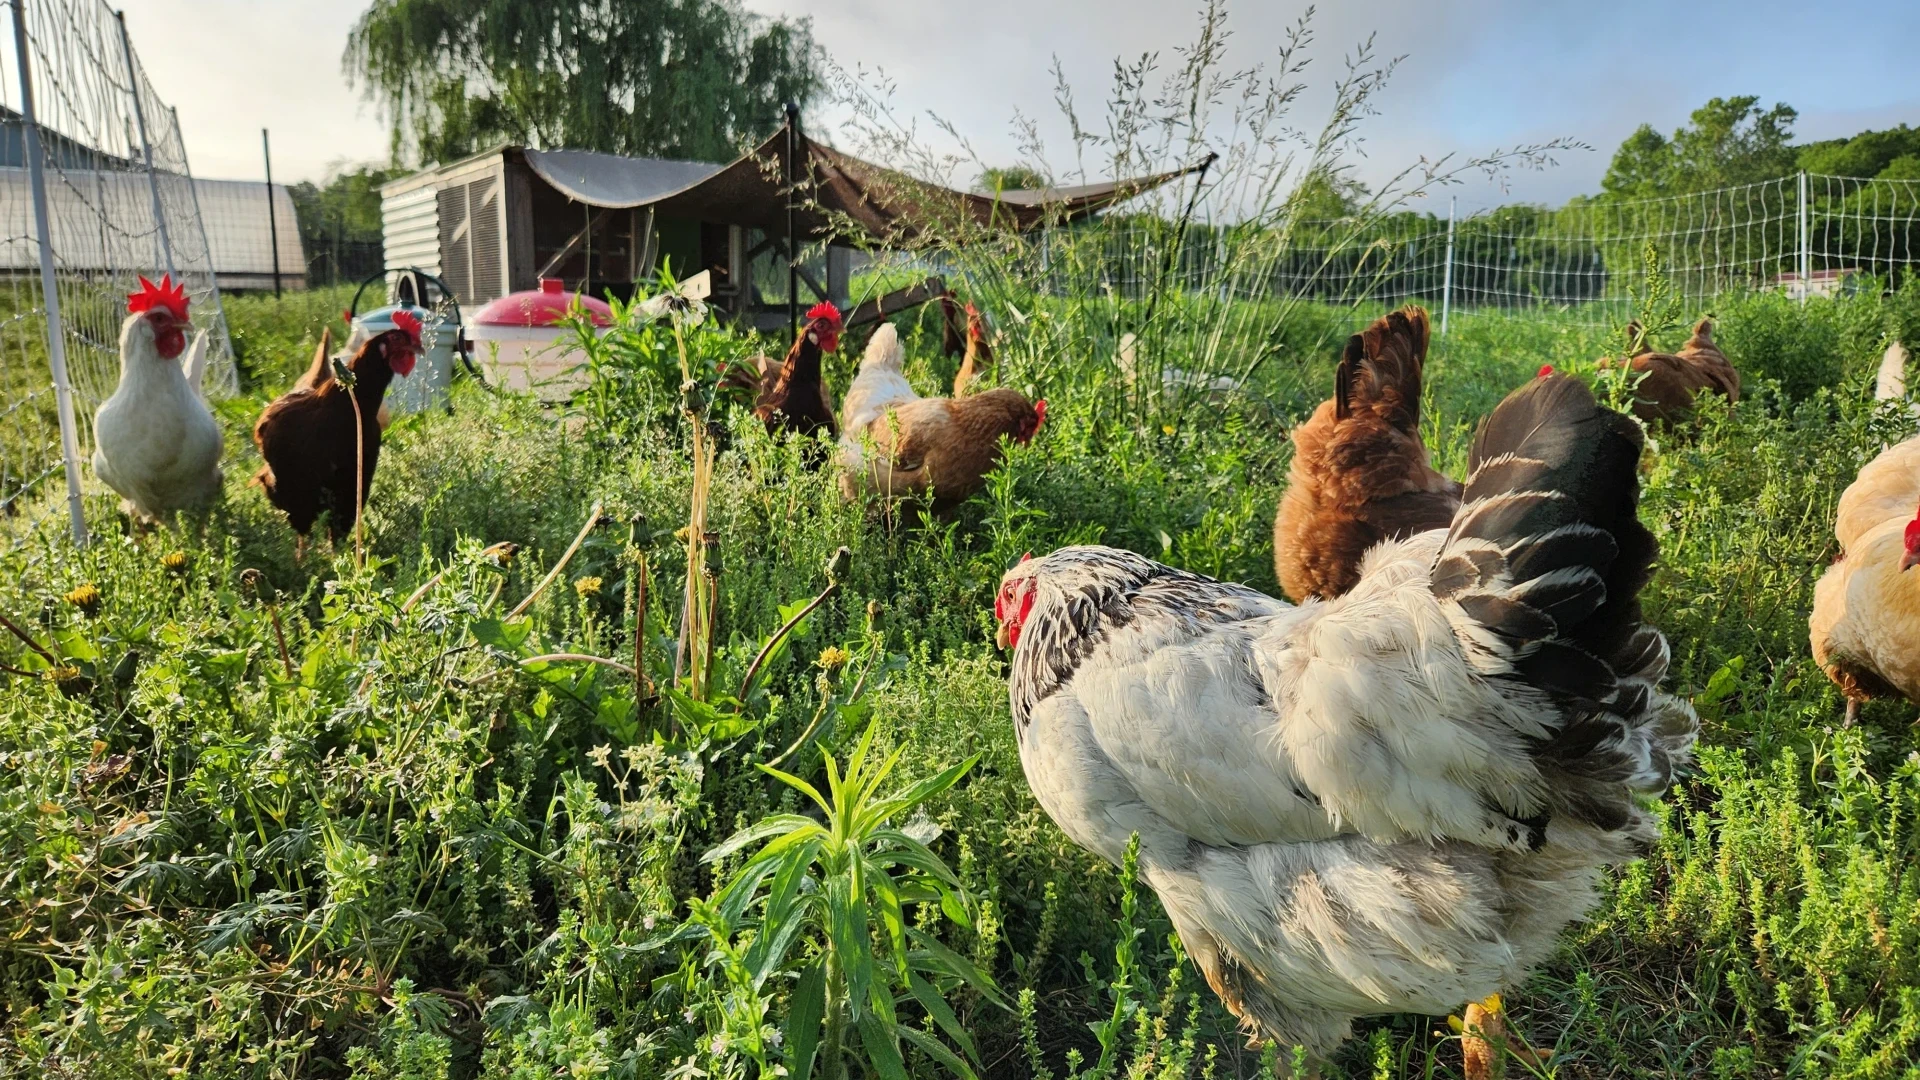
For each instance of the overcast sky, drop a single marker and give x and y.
(1477, 74)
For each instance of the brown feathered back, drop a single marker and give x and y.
(1670, 381)
(1360, 473)
(946, 445)
(306, 437)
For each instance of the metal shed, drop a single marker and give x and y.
(499, 221)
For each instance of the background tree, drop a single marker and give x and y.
(339, 221)
(673, 78)
(1009, 178)
(1725, 142)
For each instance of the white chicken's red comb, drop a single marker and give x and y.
(166, 295)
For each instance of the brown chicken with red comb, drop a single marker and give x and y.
(314, 462)
(1360, 474)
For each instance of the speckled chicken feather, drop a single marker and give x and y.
(1390, 802)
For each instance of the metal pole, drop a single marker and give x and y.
(229, 382)
(1804, 264)
(273, 223)
(793, 248)
(1446, 274)
(146, 147)
(49, 285)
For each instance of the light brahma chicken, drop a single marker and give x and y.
(1390, 802)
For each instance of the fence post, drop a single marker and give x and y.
(146, 147)
(49, 285)
(273, 222)
(1446, 274)
(1804, 263)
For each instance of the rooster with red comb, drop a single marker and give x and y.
(797, 400)
(155, 441)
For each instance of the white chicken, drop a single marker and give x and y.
(1389, 802)
(155, 441)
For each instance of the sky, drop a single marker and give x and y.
(1475, 75)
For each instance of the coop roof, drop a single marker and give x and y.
(835, 188)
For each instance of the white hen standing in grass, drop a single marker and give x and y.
(1389, 802)
(155, 441)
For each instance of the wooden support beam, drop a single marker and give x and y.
(573, 244)
(897, 301)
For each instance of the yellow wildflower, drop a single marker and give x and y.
(833, 658)
(86, 598)
(175, 563)
(587, 586)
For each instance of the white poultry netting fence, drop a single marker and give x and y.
(1805, 235)
(94, 191)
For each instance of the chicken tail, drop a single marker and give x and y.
(1540, 576)
(884, 349)
(1380, 370)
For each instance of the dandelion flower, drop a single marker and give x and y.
(500, 554)
(175, 563)
(587, 586)
(833, 658)
(86, 598)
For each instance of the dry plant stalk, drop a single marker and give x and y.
(593, 519)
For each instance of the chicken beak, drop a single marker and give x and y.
(1909, 561)
(1003, 637)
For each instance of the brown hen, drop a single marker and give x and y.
(1670, 381)
(1360, 474)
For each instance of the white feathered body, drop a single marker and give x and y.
(155, 440)
(1369, 805)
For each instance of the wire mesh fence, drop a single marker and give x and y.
(1805, 235)
(95, 190)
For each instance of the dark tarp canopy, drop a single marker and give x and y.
(887, 205)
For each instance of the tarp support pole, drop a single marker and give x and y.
(793, 248)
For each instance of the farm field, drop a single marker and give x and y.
(316, 821)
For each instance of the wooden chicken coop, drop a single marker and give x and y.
(499, 221)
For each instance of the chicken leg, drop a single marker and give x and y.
(1852, 716)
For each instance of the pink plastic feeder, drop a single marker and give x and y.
(520, 344)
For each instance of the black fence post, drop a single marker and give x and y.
(273, 222)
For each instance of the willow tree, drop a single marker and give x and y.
(670, 78)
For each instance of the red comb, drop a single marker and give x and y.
(1027, 556)
(1545, 370)
(824, 310)
(165, 295)
(408, 321)
(1039, 413)
(972, 312)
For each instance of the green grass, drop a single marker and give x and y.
(406, 860)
